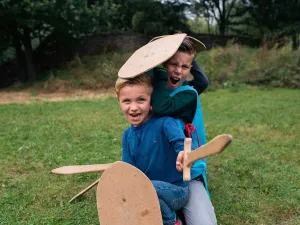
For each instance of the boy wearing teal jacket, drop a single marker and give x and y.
(172, 96)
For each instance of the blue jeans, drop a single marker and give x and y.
(171, 198)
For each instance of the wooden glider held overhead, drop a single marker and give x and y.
(215, 146)
(151, 55)
(154, 53)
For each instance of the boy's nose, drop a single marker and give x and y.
(133, 107)
(178, 69)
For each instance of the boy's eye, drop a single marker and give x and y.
(126, 100)
(184, 67)
(141, 99)
(172, 64)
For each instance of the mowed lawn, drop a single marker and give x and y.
(256, 180)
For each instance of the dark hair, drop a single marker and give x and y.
(187, 46)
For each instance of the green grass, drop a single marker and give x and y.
(255, 181)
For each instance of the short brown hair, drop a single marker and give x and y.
(187, 46)
(143, 79)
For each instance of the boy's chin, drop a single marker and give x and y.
(173, 86)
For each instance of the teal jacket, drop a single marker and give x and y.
(184, 105)
(198, 135)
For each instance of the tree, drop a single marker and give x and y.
(219, 10)
(273, 19)
(57, 27)
(50, 21)
(150, 17)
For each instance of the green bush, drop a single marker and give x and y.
(230, 67)
(236, 65)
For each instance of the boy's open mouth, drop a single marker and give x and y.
(174, 80)
(135, 115)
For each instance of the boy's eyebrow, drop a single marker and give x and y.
(124, 98)
(185, 64)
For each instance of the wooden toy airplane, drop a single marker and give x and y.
(126, 196)
(216, 145)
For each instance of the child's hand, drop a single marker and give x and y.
(179, 161)
(159, 66)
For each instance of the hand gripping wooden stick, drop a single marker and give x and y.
(216, 145)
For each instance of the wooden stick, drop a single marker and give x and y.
(84, 190)
(81, 169)
(187, 151)
(216, 145)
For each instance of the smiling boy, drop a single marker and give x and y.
(153, 145)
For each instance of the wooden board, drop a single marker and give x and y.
(80, 169)
(126, 196)
(84, 190)
(199, 46)
(215, 146)
(151, 55)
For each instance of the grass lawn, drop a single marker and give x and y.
(255, 181)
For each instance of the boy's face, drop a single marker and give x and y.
(135, 103)
(178, 68)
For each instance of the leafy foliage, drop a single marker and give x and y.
(273, 19)
(219, 10)
(60, 26)
(234, 66)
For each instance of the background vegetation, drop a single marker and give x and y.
(37, 36)
(231, 67)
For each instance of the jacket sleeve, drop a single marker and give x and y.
(126, 154)
(200, 81)
(173, 134)
(165, 105)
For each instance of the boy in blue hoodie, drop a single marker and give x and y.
(153, 145)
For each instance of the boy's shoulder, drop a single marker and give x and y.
(154, 123)
(185, 87)
(167, 121)
(164, 118)
(185, 91)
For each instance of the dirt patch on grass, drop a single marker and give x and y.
(31, 96)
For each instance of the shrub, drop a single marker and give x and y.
(235, 65)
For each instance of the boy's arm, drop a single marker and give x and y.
(165, 105)
(126, 154)
(200, 81)
(173, 134)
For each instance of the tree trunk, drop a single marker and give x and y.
(29, 54)
(222, 28)
(22, 76)
(295, 44)
(222, 25)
